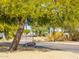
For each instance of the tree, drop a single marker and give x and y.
(53, 13)
(14, 9)
(20, 10)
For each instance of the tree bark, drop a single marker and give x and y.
(17, 38)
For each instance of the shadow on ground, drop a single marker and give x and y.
(26, 48)
(45, 49)
(4, 48)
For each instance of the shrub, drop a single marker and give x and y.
(75, 36)
(26, 31)
(56, 36)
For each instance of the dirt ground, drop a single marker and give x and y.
(39, 54)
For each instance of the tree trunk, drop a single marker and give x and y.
(17, 38)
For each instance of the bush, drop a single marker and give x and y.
(26, 31)
(55, 36)
(75, 36)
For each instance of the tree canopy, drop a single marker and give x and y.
(52, 12)
(44, 13)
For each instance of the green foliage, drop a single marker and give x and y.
(10, 30)
(40, 30)
(48, 13)
(26, 31)
(1, 28)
